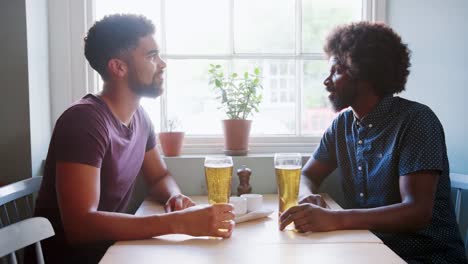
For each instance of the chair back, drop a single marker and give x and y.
(16, 205)
(24, 233)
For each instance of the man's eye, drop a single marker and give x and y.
(339, 70)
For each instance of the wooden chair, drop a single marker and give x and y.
(16, 204)
(24, 233)
(459, 182)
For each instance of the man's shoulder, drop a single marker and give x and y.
(411, 106)
(413, 109)
(86, 110)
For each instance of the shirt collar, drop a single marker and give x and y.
(377, 114)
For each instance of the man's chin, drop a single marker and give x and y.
(337, 106)
(149, 92)
(153, 93)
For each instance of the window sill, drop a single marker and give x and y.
(255, 150)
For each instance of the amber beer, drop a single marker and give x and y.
(218, 182)
(288, 178)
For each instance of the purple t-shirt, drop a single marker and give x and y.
(88, 133)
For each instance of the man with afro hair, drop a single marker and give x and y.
(389, 153)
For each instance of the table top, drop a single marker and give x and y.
(146, 251)
(266, 230)
(256, 241)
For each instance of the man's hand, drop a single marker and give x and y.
(178, 202)
(309, 217)
(207, 220)
(316, 199)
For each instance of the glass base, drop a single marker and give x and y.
(290, 227)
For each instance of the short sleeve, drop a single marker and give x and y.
(326, 151)
(422, 144)
(81, 136)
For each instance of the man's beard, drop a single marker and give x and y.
(344, 98)
(152, 90)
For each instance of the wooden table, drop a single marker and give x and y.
(257, 241)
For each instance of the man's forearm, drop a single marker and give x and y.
(104, 226)
(401, 217)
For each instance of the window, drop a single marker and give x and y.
(282, 37)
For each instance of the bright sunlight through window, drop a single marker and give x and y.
(284, 38)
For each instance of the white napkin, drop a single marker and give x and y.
(263, 212)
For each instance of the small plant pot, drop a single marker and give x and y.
(236, 136)
(171, 143)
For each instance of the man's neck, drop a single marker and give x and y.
(364, 105)
(121, 101)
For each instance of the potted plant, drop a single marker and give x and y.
(240, 96)
(171, 141)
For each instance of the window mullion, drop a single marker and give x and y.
(298, 27)
(231, 46)
(298, 70)
(163, 47)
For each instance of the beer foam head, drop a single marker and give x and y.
(218, 166)
(288, 167)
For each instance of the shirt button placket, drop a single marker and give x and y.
(360, 173)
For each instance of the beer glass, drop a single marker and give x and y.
(218, 175)
(288, 175)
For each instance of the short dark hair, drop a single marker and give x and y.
(373, 52)
(111, 36)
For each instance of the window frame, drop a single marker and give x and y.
(72, 77)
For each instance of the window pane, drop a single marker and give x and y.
(197, 27)
(321, 16)
(276, 114)
(317, 113)
(264, 26)
(191, 99)
(149, 8)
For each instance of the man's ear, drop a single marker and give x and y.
(117, 68)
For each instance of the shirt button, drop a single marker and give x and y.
(370, 125)
(361, 194)
(359, 142)
(359, 168)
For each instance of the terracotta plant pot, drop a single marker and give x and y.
(171, 143)
(236, 136)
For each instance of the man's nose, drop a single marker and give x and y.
(162, 64)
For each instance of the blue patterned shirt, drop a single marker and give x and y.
(397, 138)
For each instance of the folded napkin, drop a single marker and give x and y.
(260, 213)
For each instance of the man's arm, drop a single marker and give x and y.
(162, 185)
(313, 173)
(417, 192)
(414, 212)
(78, 192)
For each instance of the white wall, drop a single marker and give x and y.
(436, 31)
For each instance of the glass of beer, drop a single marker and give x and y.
(218, 175)
(288, 175)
